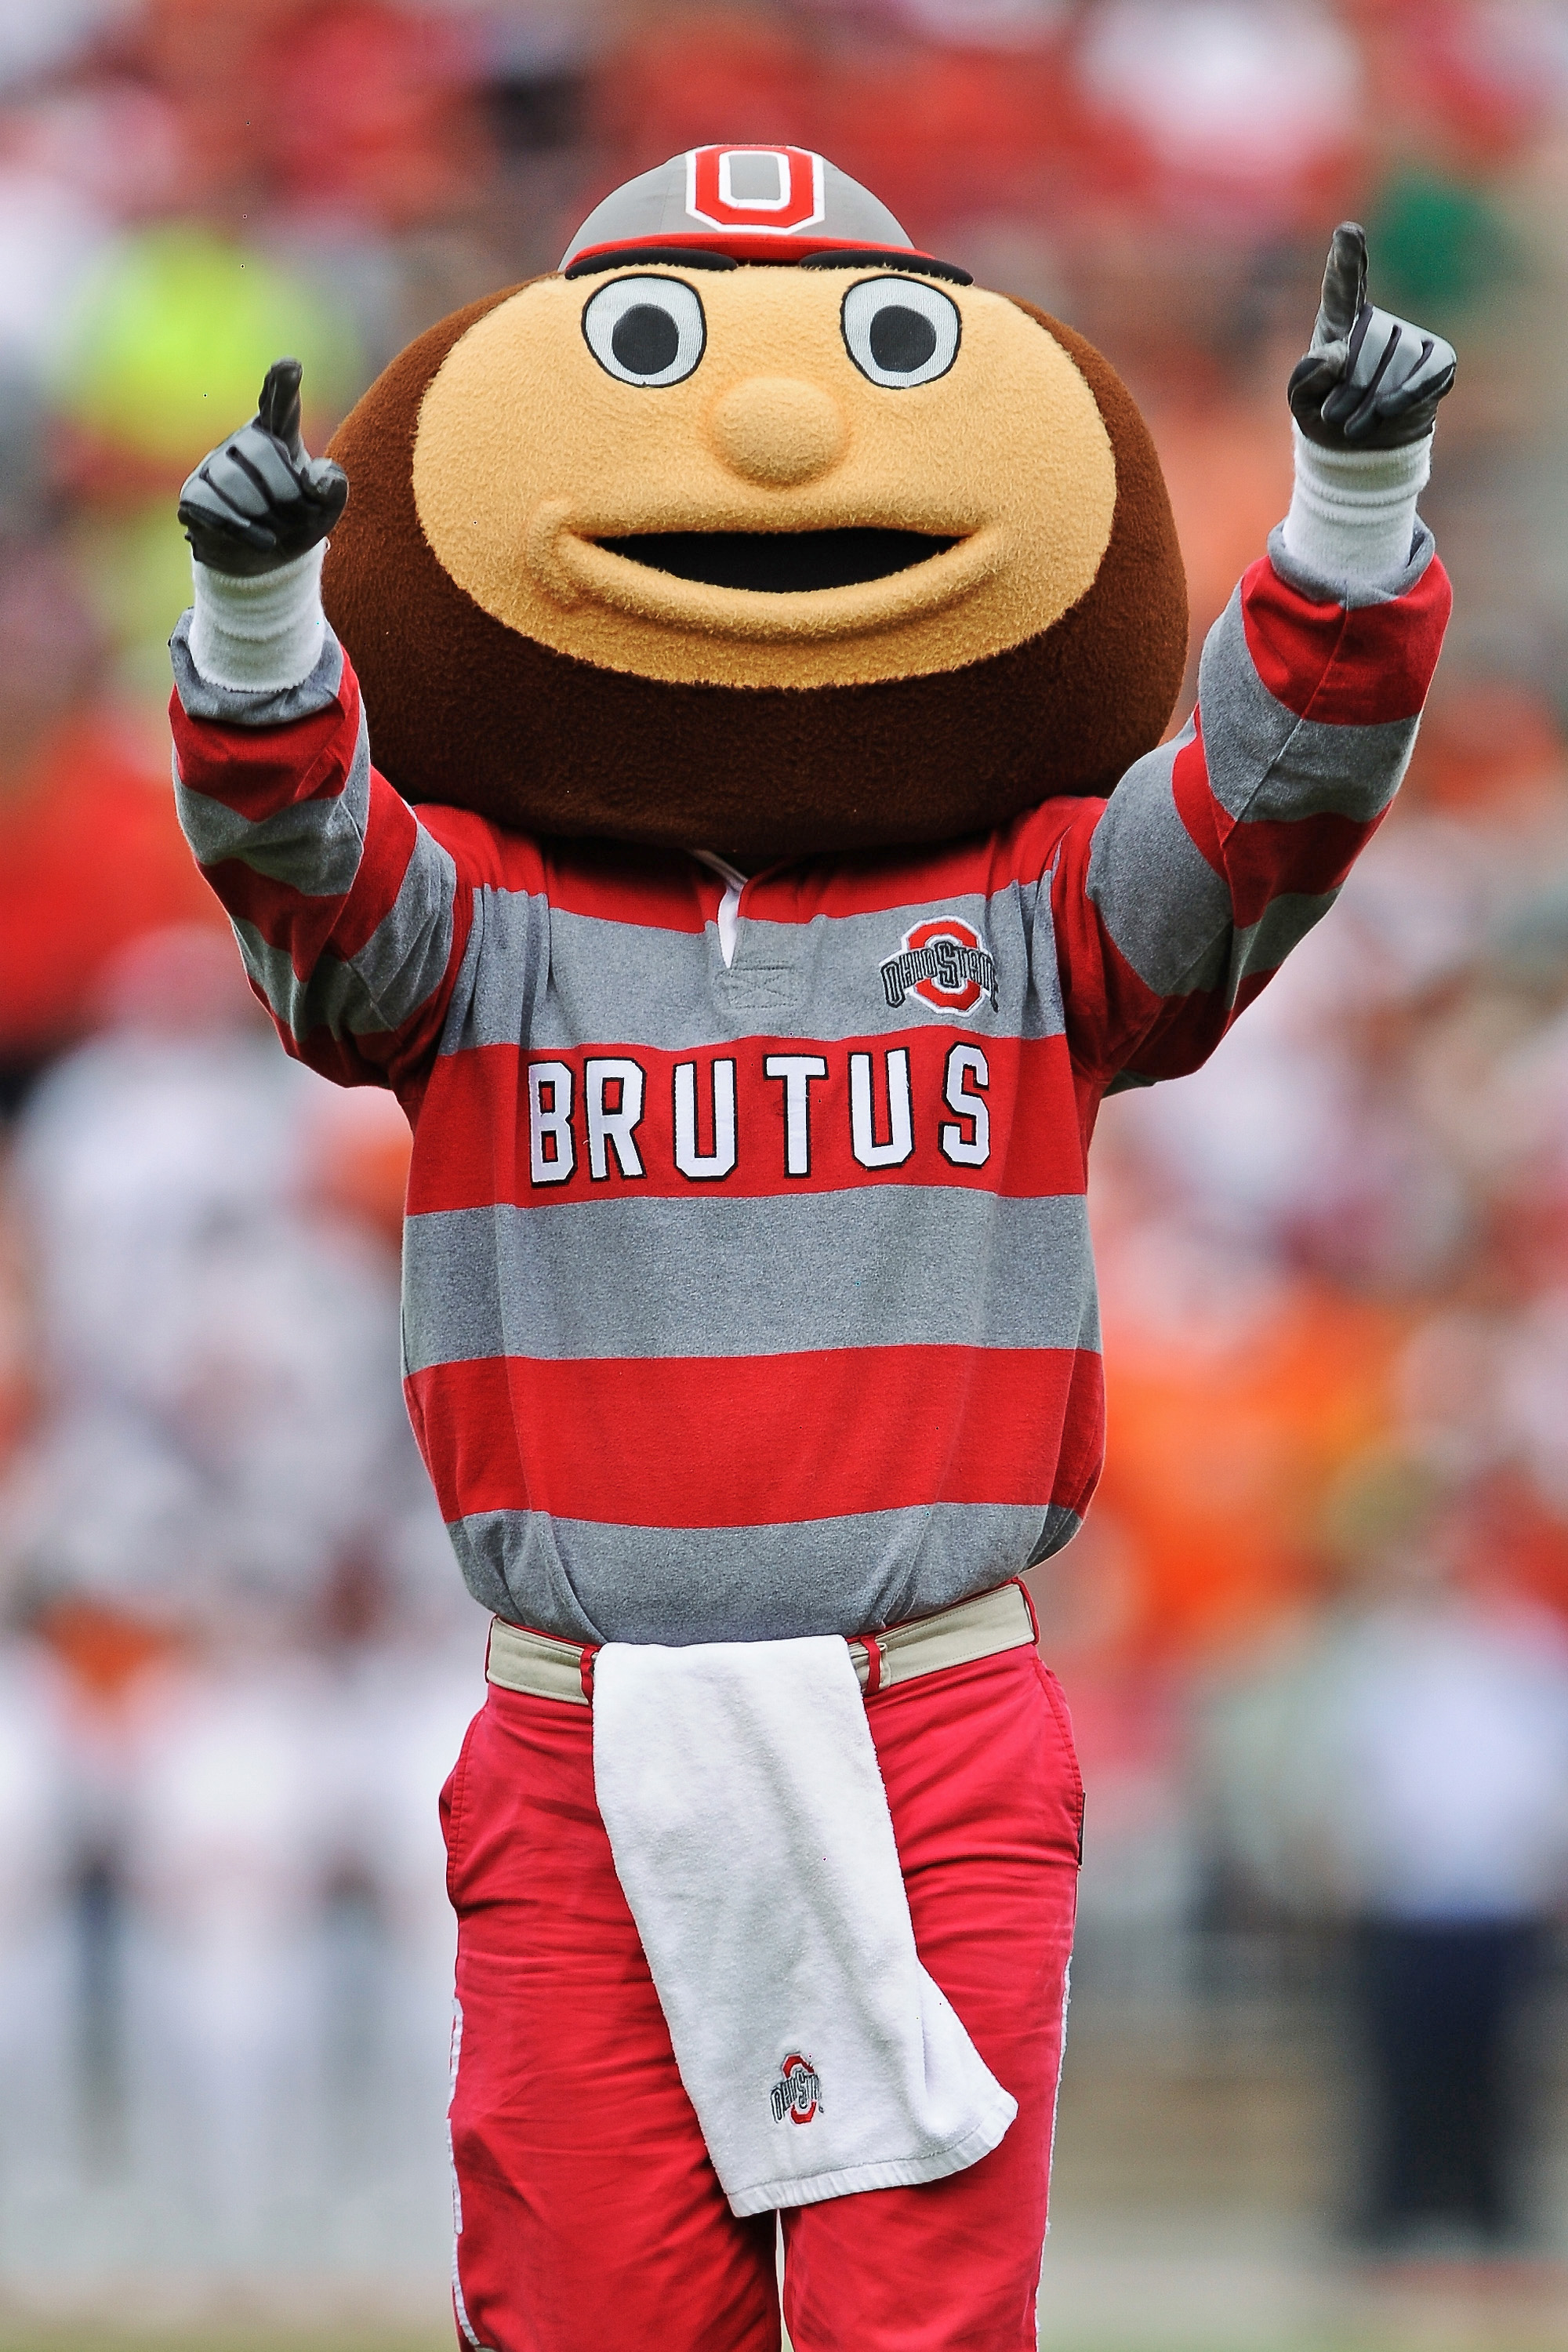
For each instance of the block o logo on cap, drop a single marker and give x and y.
(767, 190)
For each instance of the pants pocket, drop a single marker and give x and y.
(454, 1812)
(1059, 1708)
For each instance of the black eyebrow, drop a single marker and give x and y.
(703, 257)
(673, 257)
(913, 264)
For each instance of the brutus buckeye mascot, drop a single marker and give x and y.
(752, 859)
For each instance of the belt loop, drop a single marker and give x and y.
(873, 1649)
(1029, 1605)
(585, 1669)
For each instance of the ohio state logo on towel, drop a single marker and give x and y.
(945, 964)
(768, 191)
(798, 2094)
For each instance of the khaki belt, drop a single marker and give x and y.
(543, 1666)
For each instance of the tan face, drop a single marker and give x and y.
(532, 452)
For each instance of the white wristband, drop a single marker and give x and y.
(1353, 511)
(259, 636)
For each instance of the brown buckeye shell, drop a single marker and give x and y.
(464, 710)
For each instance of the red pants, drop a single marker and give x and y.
(589, 2217)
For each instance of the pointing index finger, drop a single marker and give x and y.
(1344, 282)
(278, 405)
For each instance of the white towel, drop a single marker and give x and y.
(750, 1831)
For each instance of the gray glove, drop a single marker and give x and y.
(1369, 381)
(258, 501)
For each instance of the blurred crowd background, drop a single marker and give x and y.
(1316, 1634)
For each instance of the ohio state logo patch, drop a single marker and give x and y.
(945, 964)
(798, 2094)
(767, 190)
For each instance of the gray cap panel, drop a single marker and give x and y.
(853, 212)
(654, 206)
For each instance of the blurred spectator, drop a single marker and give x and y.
(91, 856)
(172, 327)
(167, 334)
(219, 1529)
(1245, 110)
(32, 39)
(1406, 1767)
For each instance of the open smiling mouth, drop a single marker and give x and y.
(773, 586)
(773, 563)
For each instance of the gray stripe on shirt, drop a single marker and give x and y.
(232, 706)
(1283, 925)
(1353, 594)
(1166, 907)
(632, 984)
(874, 1267)
(588, 1582)
(399, 967)
(1264, 761)
(313, 847)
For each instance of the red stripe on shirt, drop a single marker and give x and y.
(474, 1136)
(667, 890)
(256, 771)
(753, 1441)
(1195, 803)
(1268, 858)
(1261, 858)
(878, 882)
(1191, 1028)
(307, 927)
(1357, 668)
(651, 889)
(391, 836)
(1106, 1002)
(394, 1057)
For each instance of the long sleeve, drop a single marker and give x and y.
(347, 910)
(1175, 901)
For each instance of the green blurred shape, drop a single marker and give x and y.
(1435, 244)
(134, 568)
(167, 344)
(1376, 1500)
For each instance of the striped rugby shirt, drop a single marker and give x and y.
(752, 1300)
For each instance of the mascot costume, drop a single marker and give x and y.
(769, 859)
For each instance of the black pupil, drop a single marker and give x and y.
(902, 340)
(646, 339)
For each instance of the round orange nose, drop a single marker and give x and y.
(777, 430)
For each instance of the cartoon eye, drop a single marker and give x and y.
(899, 331)
(646, 330)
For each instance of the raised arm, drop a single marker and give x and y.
(347, 910)
(1175, 902)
